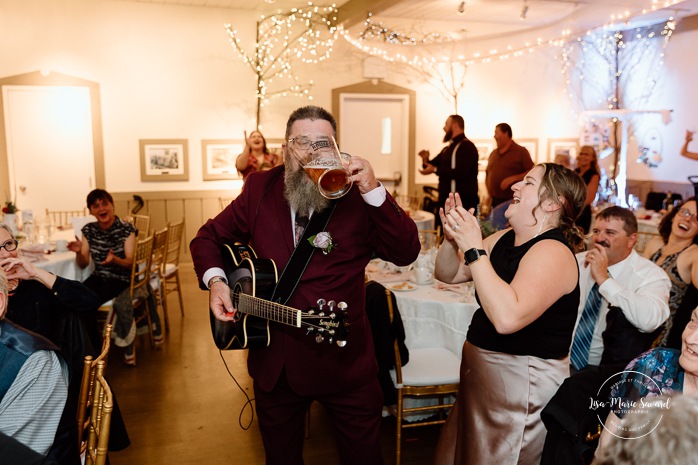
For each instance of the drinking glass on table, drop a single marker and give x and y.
(323, 163)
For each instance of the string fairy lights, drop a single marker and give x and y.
(303, 35)
(395, 46)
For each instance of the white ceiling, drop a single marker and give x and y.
(480, 20)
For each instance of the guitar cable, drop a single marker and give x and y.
(244, 393)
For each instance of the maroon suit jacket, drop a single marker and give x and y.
(261, 217)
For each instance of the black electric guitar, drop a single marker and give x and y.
(252, 281)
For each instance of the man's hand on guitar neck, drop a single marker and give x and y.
(219, 301)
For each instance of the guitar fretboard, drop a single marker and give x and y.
(269, 310)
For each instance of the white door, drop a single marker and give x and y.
(375, 127)
(49, 146)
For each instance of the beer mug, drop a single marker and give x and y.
(323, 163)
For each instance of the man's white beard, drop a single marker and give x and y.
(301, 192)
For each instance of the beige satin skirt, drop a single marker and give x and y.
(496, 419)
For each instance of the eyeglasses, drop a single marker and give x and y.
(305, 143)
(683, 213)
(10, 245)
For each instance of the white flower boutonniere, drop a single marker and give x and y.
(322, 241)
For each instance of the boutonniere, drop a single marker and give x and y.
(322, 241)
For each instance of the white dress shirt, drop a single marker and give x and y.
(637, 286)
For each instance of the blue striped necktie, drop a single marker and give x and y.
(585, 330)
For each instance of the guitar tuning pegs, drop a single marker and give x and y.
(342, 305)
(341, 343)
(319, 338)
(331, 304)
(321, 303)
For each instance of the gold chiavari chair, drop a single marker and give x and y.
(86, 398)
(142, 225)
(430, 372)
(170, 265)
(156, 269)
(429, 238)
(63, 217)
(100, 419)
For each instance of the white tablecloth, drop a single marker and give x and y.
(423, 220)
(63, 263)
(434, 315)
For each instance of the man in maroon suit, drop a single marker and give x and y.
(294, 370)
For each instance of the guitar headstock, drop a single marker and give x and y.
(328, 320)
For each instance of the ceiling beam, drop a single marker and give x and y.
(356, 11)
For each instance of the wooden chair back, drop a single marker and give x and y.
(170, 268)
(174, 244)
(100, 419)
(140, 278)
(157, 268)
(86, 396)
(63, 217)
(142, 225)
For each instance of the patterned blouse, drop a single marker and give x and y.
(678, 290)
(102, 241)
(659, 374)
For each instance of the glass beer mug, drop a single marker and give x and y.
(323, 163)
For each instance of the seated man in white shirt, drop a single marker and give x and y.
(33, 383)
(632, 289)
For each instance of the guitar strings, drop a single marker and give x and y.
(244, 393)
(276, 312)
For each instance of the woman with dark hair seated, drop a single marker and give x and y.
(677, 253)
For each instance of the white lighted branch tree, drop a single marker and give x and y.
(614, 70)
(303, 35)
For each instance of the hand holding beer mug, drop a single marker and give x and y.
(323, 162)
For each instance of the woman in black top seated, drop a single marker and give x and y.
(517, 349)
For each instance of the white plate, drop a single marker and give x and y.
(402, 287)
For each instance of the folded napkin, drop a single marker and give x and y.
(458, 288)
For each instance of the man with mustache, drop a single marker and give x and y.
(633, 293)
(294, 370)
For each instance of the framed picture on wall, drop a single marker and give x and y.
(218, 156)
(484, 148)
(164, 160)
(531, 145)
(562, 148)
(275, 146)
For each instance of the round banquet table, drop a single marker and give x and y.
(423, 219)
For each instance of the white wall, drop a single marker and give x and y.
(169, 72)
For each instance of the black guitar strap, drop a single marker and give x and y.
(291, 276)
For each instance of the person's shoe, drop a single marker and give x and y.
(130, 359)
(158, 340)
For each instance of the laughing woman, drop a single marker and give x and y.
(675, 250)
(517, 349)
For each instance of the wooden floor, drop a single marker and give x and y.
(181, 406)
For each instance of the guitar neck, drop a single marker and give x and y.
(269, 310)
